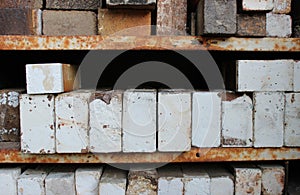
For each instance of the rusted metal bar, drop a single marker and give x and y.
(195, 155)
(148, 43)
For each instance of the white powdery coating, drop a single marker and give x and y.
(258, 5)
(8, 179)
(278, 25)
(87, 180)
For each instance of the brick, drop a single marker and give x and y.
(25, 21)
(137, 4)
(113, 181)
(297, 76)
(247, 179)
(32, 181)
(251, 25)
(282, 6)
(139, 121)
(221, 181)
(37, 136)
(216, 17)
(142, 182)
(105, 122)
(193, 24)
(170, 180)
(174, 121)
(171, 17)
(257, 5)
(265, 75)
(291, 121)
(38, 4)
(124, 22)
(279, 25)
(50, 78)
(69, 23)
(8, 179)
(196, 180)
(206, 119)
(237, 128)
(72, 122)
(268, 119)
(60, 181)
(87, 180)
(273, 177)
(73, 4)
(10, 115)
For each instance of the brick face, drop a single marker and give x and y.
(121, 21)
(69, 23)
(73, 4)
(21, 4)
(251, 25)
(15, 21)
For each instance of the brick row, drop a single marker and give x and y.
(234, 178)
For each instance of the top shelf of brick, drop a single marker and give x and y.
(97, 42)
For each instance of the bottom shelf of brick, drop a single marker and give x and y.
(10, 153)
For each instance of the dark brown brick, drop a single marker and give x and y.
(73, 4)
(14, 21)
(37, 4)
(9, 115)
(251, 25)
(138, 4)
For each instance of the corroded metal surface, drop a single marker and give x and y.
(195, 155)
(147, 43)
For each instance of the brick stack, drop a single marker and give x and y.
(170, 179)
(245, 18)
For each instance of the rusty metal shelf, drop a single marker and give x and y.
(13, 155)
(148, 43)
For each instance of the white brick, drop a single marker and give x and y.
(170, 180)
(268, 119)
(113, 181)
(142, 182)
(292, 120)
(38, 135)
(60, 182)
(174, 121)
(8, 179)
(196, 180)
(221, 181)
(139, 121)
(32, 181)
(263, 75)
(237, 128)
(206, 119)
(105, 122)
(278, 25)
(258, 5)
(273, 177)
(50, 78)
(72, 117)
(87, 180)
(297, 76)
(282, 6)
(247, 179)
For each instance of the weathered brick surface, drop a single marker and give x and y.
(221, 180)
(124, 22)
(273, 177)
(113, 181)
(216, 17)
(73, 4)
(69, 23)
(8, 179)
(10, 115)
(297, 76)
(171, 17)
(251, 25)
(258, 5)
(170, 180)
(21, 4)
(282, 6)
(142, 182)
(87, 180)
(279, 25)
(15, 21)
(138, 4)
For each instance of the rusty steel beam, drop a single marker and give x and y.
(195, 155)
(148, 43)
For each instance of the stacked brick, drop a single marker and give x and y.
(170, 179)
(245, 18)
